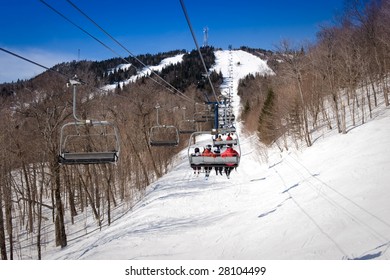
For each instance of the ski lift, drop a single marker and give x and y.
(186, 126)
(88, 141)
(225, 142)
(226, 115)
(163, 135)
(206, 161)
(204, 114)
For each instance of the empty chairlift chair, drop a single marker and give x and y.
(89, 142)
(204, 114)
(163, 135)
(187, 126)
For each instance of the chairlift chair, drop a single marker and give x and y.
(203, 116)
(203, 113)
(163, 135)
(89, 142)
(204, 161)
(187, 126)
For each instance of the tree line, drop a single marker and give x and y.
(343, 75)
(37, 193)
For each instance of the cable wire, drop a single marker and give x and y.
(49, 69)
(128, 51)
(197, 46)
(33, 62)
(110, 49)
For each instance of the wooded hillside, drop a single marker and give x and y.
(342, 75)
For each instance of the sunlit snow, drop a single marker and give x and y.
(329, 201)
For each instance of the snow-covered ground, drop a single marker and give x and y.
(147, 70)
(329, 202)
(326, 202)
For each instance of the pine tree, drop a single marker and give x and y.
(266, 127)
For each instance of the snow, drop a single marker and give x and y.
(326, 202)
(146, 70)
(123, 67)
(243, 64)
(329, 201)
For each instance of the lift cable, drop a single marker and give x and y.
(79, 27)
(127, 50)
(33, 62)
(197, 46)
(67, 77)
(85, 31)
(109, 48)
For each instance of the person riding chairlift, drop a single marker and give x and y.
(208, 153)
(229, 152)
(217, 153)
(196, 154)
(218, 139)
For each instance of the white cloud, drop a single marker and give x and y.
(13, 68)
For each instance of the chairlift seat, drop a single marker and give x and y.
(224, 142)
(187, 131)
(203, 116)
(201, 161)
(162, 143)
(226, 130)
(89, 158)
(217, 160)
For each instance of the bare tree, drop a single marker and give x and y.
(3, 250)
(294, 68)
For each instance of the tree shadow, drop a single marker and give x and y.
(293, 186)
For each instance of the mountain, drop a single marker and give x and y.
(324, 202)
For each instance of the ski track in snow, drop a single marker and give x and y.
(323, 202)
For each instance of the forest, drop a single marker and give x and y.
(337, 77)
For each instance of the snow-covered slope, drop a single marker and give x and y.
(145, 71)
(329, 201)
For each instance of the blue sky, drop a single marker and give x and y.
(31, 29)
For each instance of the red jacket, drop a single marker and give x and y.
(230, 152)
(207, 153)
